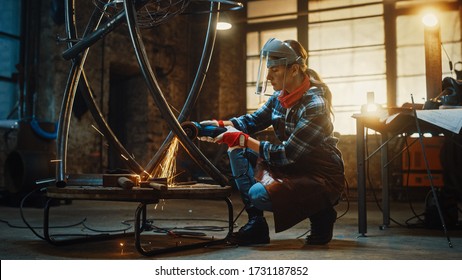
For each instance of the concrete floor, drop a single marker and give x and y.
(396, 242)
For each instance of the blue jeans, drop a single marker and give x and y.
(253, 193)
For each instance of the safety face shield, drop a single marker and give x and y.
(275, 57)
(271, 73)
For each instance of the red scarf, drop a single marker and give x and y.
(289, 99)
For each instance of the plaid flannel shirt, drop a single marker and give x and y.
(302, 128)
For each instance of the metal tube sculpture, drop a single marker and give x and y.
(132, 13)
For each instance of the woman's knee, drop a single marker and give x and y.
(259, 197)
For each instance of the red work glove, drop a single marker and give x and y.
(233, 139)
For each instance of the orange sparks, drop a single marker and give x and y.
(167, 167)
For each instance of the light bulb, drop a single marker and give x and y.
(224, 25)
(430, 20)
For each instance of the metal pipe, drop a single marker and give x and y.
(91, 38)
(107, 131)
(196, 87)
(94, 37)
(160, 100)
(63, 126)
(69, 92)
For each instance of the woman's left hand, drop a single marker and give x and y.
(219, 138)
(232, 137)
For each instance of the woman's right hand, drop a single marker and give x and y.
(207, 139)
(206, 123)
(209, 122)
(219, 123)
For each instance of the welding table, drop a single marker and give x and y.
(430, 121)
(143, 196)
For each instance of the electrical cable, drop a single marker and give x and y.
(176, 231)
(238, 215)
(187, 230)
(107, 231)
(33, 228)
(41, 227)
(205, 228)
(449, 59)
(41, 132)
(303, 234)
(22, 213)
(347, 198)
(407, 186)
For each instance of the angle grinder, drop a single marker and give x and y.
(195, 129)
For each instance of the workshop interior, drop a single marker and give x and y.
(101, 103)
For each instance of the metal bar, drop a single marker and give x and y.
(90, 38)
(107, 131)
(382, 144)
(201, 73)
(8, 79)
(139, 227)
(435, 196)
(94, 37)
(230, 217)
(76, 238)
(9, 35)
(160, 100)
(63, 126)
(66, 110)
(361, 170)
(68, 97)
(401, 152)
(385, 179)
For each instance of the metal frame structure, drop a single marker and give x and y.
(143, 197)
(77, 52)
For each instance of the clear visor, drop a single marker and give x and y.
(266, 62)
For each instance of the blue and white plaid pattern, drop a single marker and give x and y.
(306, 127)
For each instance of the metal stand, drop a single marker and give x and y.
(404, 124)
(145, 197)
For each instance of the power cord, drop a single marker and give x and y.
(190, 231)
(347, 198)
(22, 213)
(33, 228)
(416, 216)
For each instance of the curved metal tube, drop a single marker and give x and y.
(196, 87)
(107, 131)
(68, 100)
(97, 34)
(69, 93)
(160, 100)
(94, 37)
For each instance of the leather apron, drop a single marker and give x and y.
(299, 190)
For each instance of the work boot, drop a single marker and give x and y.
(256, 231)
(322, 227)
